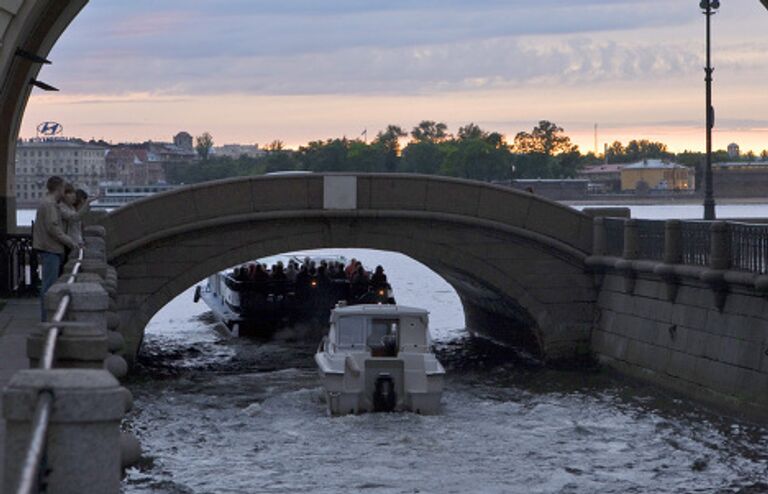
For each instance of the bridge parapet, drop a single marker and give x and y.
(63, 416)
(720, 253)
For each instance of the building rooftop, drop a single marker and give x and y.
(599, 169)
(49, 143)
(656, 164)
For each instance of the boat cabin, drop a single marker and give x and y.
(382, 330)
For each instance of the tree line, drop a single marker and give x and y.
(546, 152)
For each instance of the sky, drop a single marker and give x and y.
(252, 71)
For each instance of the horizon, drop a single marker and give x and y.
(254, 72)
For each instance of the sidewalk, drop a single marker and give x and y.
(18, 318)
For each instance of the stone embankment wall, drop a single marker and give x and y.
(699, 329)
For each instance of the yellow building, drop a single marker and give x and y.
(657, 175)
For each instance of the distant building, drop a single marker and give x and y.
(133, 166)
(236, 150)
(733, 151)
(183, 140)
(656, 175)
(740, 179)
(80, 163)
(602, 178)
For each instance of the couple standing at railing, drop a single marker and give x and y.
(57, 230)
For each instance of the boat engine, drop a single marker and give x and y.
(384, 396)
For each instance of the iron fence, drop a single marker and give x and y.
(650, 237)
(18, 266)
(614, 236)
(749, 247)
(696, 243)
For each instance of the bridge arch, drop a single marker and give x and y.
(516, 260)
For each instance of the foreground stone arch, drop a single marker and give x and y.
(516, 260)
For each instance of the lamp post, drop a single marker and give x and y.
(709, 7)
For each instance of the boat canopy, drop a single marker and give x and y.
(371, 326)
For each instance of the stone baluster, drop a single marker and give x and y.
(673, 255)
(599, 247)
(84, 449)
(79, 345)
(720, 246)
(631, 240)
(673, 242)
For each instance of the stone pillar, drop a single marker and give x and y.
(79, 345)
(673, 242)
(83, 450)
(631, 240)
(89, 302)
(598, 236)
(720, 246)
(96, 266)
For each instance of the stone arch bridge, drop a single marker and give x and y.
(515, 260)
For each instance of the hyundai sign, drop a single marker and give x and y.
(49, 129)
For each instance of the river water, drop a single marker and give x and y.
(222, 415)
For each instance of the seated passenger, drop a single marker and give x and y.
(379, 278)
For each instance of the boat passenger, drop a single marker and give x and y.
(360, 281)
(278, 274)
(241, 273)
(351, 268)
(379, 278)
(258, 274)
(291, 271)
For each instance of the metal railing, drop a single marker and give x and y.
(614, 236)
(696, 242)
(749, 247)
(30, 470)
(18, 265)
(650, 238)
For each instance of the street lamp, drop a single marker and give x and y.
(709, 7)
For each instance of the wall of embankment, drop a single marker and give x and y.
(675, 335)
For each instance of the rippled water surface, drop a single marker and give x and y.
(219, 415)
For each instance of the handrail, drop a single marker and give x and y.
(31, 467)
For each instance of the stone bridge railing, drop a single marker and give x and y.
(719, 253)
(63, 416)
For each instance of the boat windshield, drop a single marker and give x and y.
(351, 331)
(382, 337)
(378, 335)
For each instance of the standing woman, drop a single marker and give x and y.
(73, 207)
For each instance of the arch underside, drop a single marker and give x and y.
(507, 283)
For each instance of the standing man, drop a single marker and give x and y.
(49, 239)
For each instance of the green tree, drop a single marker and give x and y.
(478, 159)
(546, 138)
(204, 145)
(422, 157)
(388, 142)
(615, 153)
(429, 131)
(764, 155)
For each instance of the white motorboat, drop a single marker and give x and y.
(379, 358)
